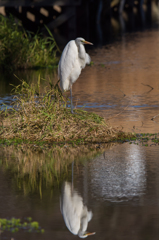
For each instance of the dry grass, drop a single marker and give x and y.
(41, 114)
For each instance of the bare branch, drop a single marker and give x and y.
(148, 86)
(154, 117)
(119, 90)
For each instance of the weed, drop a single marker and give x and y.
(32, 168)
(40, 114)
(15, 224)
(20, 49)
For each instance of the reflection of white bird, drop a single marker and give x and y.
(73, 59)
(75, 214)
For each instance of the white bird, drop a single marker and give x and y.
(75, 214)
(73, 59)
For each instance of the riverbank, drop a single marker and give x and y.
(41, 115)
(59, 129)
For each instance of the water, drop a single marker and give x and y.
(124, 80)
(117, 184)
(122, 85)
(119, 189)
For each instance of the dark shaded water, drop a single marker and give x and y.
(119, 187)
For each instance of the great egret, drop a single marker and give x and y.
(73, 59)
(75, 214)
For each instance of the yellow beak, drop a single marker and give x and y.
(85, 42)
(89, 234)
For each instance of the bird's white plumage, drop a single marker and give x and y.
(69, 69)
(88, 59)
(72, 61)
(75, 214)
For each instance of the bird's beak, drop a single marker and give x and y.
(89, 234)
(85, 42)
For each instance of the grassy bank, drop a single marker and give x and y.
(20, 49)
(40, 114)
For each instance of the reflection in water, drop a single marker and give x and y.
(36, 167)
(119, 178)
(75, 214)
(24, 172)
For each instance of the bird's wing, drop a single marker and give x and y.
(89, 215)
(67, 62)
(87, 59)
(71, 208)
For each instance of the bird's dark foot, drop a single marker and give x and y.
(73, 112)
(72, 109)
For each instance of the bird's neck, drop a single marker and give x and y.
(81, 234)
(81, 52)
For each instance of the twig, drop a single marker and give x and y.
(148, 86)
(118, 113)
(154, 117)
(120, 90)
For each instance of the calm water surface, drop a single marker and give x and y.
(120, 187)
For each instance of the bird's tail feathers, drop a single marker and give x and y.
(88, 59)
(65, 85)
(89, 215)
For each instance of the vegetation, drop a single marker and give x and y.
(32, 169)
(145, 139)
(20, 49)
(36, 165)
(15, 224)
(41, 114)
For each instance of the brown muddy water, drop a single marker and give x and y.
(123, 84)
(117, 186)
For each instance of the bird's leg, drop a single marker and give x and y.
(72, 174)
(71, 101)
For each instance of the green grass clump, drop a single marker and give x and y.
(40, 114)
(20, 49)
(145, 139)
(15, 224)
